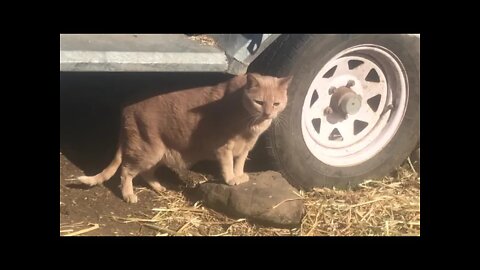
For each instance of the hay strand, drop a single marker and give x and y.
(94, 227)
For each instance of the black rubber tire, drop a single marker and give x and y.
(303, 56)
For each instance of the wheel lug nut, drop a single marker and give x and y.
(328, 110)
(331, 90)
(350, 83)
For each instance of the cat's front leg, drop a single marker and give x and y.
(238, 167)
(225, 157)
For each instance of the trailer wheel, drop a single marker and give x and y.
(353, 109)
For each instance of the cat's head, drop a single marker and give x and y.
(265, 96)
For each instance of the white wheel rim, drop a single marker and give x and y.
(379, 78)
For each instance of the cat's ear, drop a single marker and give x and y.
(285, 81)
(252, 80)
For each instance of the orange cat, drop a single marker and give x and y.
(178, 129)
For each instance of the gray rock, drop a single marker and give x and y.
(267, 198)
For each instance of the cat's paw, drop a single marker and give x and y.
(130, 198)
(237, 180)
(157, 187)
(88, 180)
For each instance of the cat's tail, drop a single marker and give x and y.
(106, 174)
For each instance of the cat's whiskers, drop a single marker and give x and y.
(252, 119)
(280, 121)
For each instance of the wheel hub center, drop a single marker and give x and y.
(349, 103)
(344, 101)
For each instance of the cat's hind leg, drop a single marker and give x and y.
(145, 165)
(126, 185)
(149, 177)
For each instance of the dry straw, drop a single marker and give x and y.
(385, 207)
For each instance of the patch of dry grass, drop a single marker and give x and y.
(385, 207)
(204, 40)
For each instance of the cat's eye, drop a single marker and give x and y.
(259, 102)
(276, 103)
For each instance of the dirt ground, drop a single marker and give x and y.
(80, 206)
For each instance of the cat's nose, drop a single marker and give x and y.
(267, 115)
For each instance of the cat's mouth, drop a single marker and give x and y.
(259, 119)
(263, 118)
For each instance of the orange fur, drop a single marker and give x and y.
(178, 129)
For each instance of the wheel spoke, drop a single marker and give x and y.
(363, 70)
(366, 114)
(346, 129)
(325, 130)
(342, 68)
(317, 108)
(371, 89)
